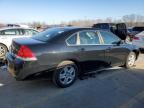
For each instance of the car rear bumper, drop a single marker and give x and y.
(20, 69)
(14, 65)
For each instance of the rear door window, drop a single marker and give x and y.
(89, 38)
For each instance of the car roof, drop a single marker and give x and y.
(7, 28)
(76, 28)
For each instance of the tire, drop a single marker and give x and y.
(3, 51)
(130, 61)
(65, 75)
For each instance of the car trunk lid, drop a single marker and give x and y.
(24, 48)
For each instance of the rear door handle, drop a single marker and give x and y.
(82, 49)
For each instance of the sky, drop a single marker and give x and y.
(56, 11)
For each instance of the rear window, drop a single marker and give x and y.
(49, 34)
(72, 40)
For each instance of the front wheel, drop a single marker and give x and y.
(66, 75)
(3, 51)
(130, 60)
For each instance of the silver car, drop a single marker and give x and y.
(138, 40)
(7, 34)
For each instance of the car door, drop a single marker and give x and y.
(115, 51)
(90, 53)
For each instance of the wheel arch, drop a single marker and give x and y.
(136, 52)
(56, 74)
(69, 61)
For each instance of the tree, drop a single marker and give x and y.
(133, 19)
(2, 25)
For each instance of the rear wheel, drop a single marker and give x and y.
(3, 51)
(130, 60)
(65, 75)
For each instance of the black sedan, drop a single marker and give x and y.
(68, 52)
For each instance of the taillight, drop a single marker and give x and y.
(25, 53)
(136, 38)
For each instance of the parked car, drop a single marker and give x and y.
(118, 29)
(68, 52)
(138, 40)
(18, 25)
(132, 31)
(7, 34)
(136, 30)
(129, 29)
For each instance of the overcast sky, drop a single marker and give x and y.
(55, 11)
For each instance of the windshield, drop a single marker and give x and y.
(48, 34)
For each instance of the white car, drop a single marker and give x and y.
(7, 34)
(138, 40)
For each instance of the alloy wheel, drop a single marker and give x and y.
(2, 51)
(67, 75)
(131, 60)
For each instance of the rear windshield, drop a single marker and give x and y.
(49, 34)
